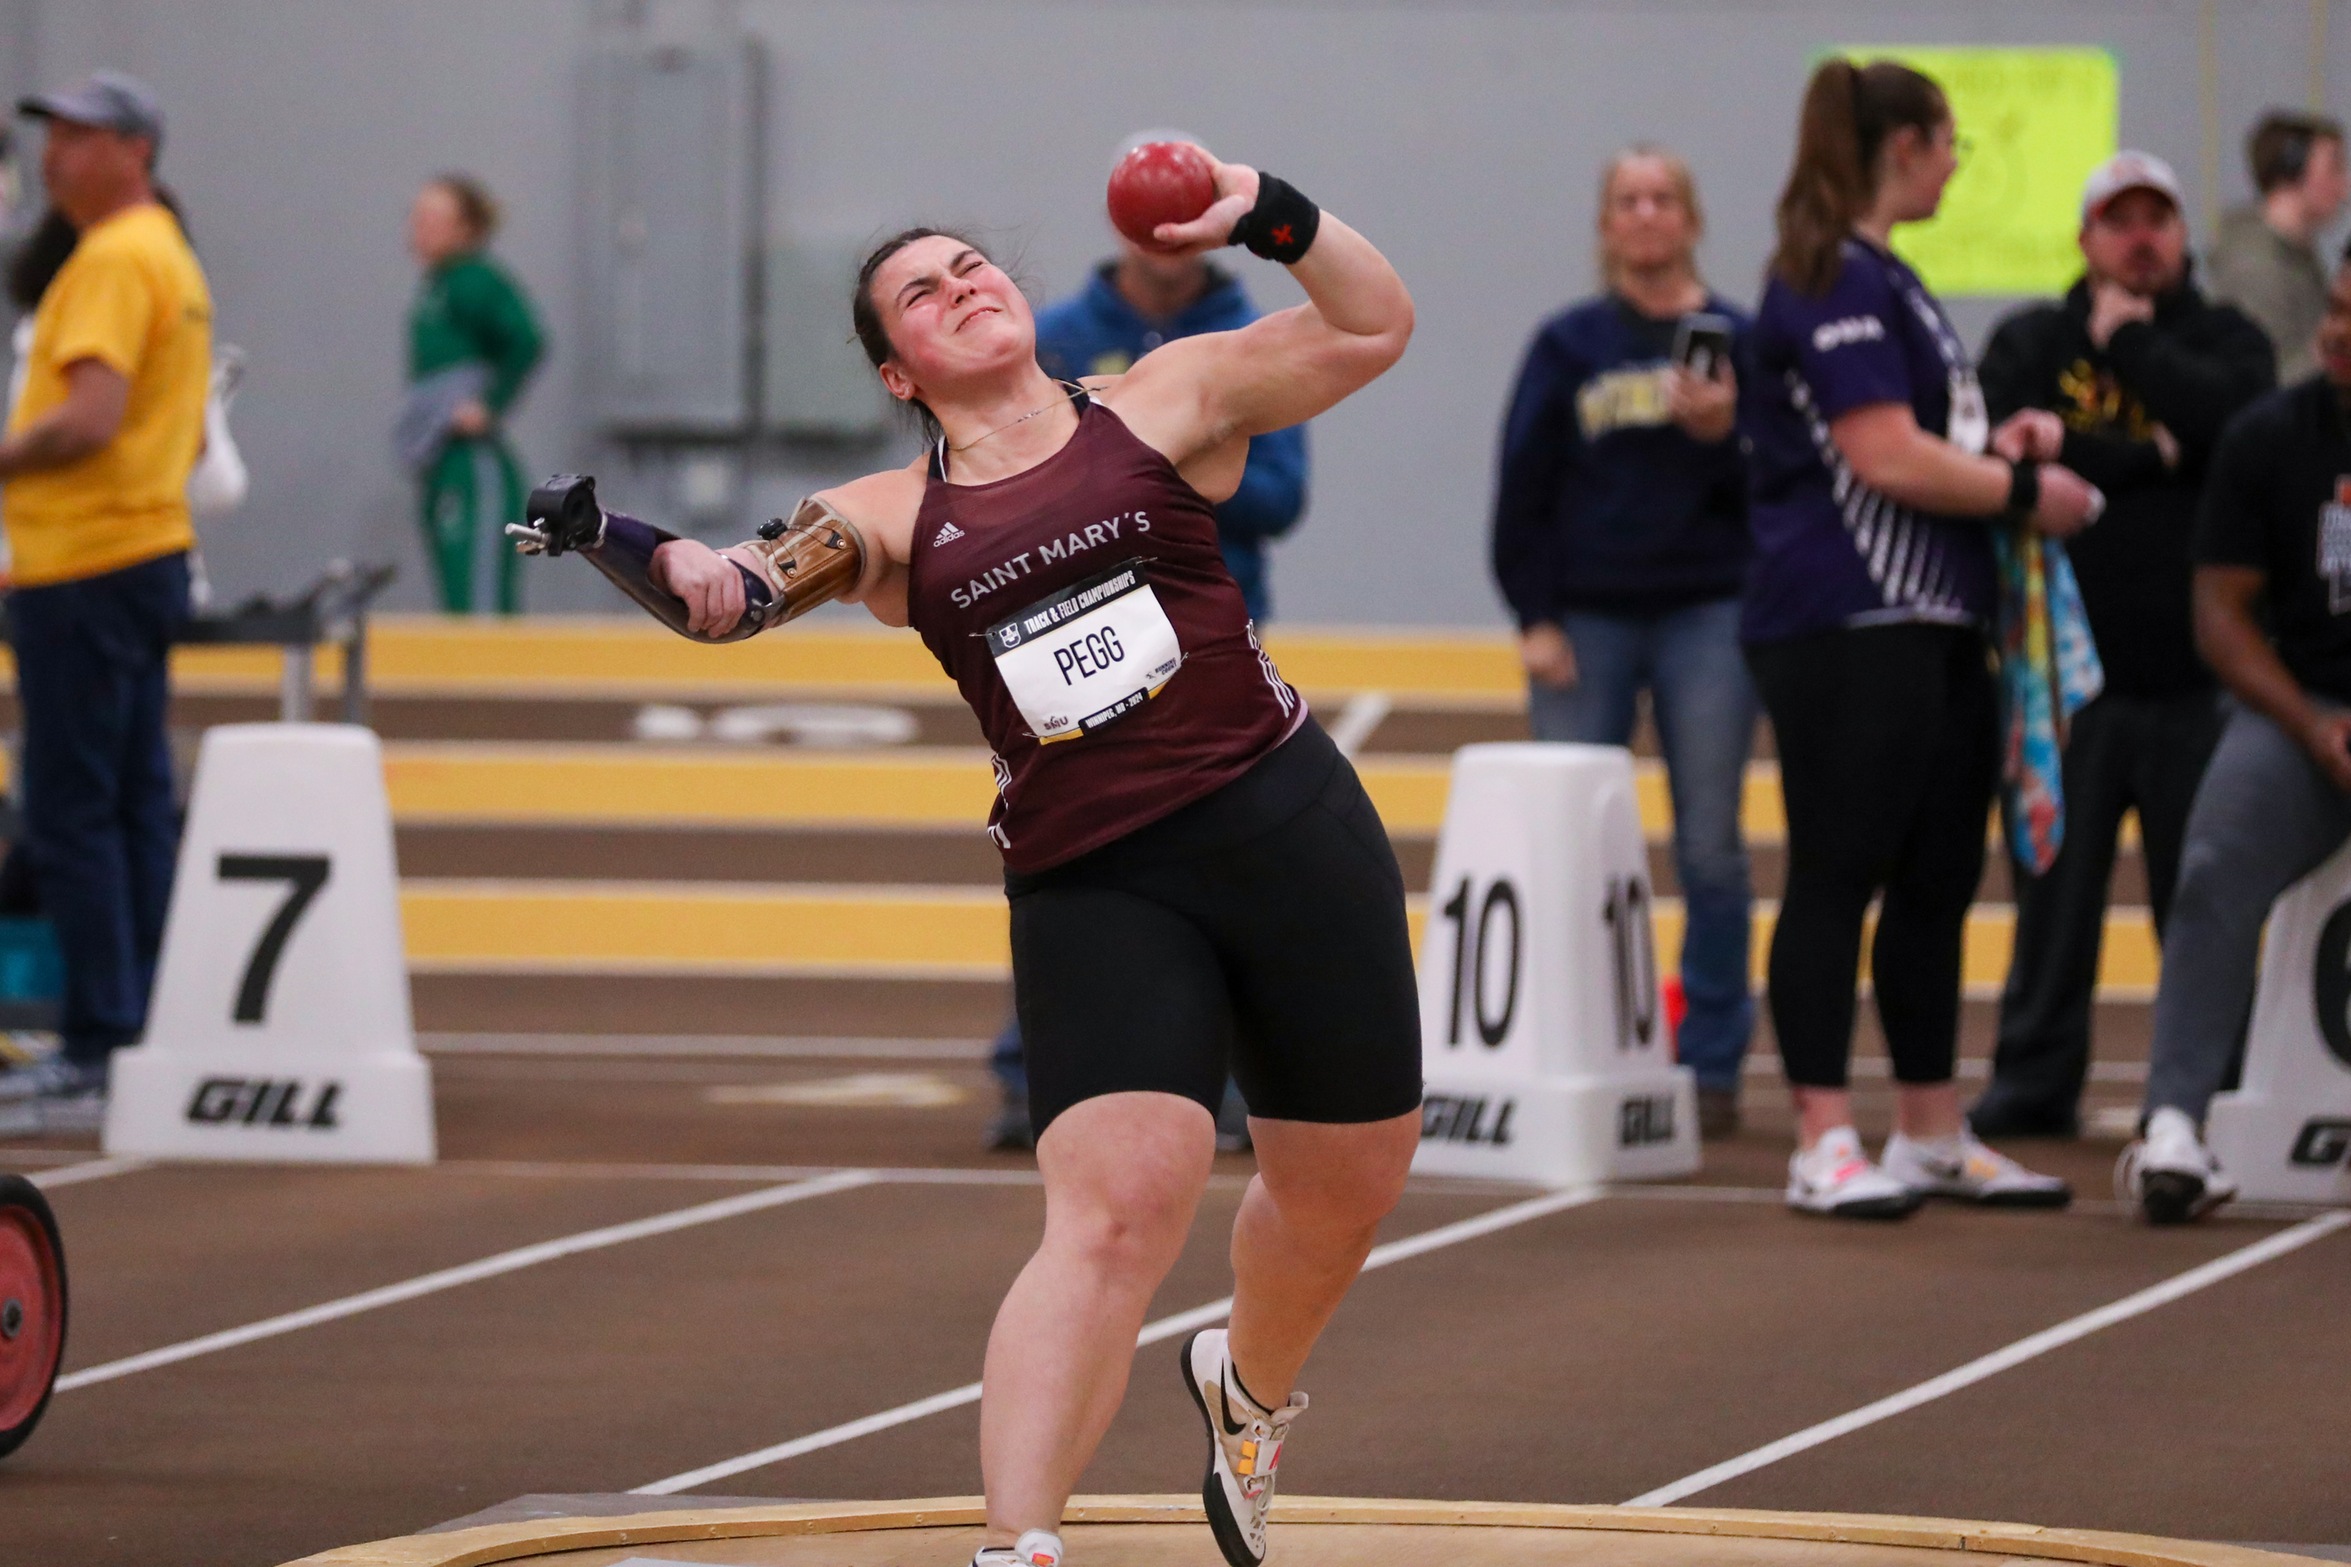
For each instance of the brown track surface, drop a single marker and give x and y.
(1582, 1357)
(954, 856)
(590, 719)
(958, 856)
(616, 1004)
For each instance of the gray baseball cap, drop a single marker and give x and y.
(113, 100)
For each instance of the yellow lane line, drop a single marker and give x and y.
(630, 655)
(927, 786)
(645, 786)
(918, 931)
(699, 928)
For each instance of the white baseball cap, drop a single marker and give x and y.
(2128, 170)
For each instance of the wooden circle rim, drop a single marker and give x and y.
(505, 1542)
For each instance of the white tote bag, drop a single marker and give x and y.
(218, 484)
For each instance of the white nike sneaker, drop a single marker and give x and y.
(2168, 1174)
(1835, 1177)
(1244, 1447)
(1959, 1166)
(1037, 1548)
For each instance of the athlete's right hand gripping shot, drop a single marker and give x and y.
(1196, 875)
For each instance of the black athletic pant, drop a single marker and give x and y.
(1889, 752)
(2123, 753)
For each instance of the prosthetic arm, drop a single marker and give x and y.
(816, 556)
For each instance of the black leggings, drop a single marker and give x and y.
(1889, 749)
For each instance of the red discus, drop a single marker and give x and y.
(1160, 182)
(32, 1309)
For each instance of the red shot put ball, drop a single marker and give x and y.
(1160, 182)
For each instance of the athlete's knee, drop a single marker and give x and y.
(1350, 1179)
(1134, 1231)
(1121, 1182)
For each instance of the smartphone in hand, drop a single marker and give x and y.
(1702, 344)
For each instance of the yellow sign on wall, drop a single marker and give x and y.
(2036, 122)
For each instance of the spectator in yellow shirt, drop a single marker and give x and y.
(95, 467)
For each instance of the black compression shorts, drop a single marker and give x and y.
(1259, 930)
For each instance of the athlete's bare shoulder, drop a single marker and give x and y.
(883, 505)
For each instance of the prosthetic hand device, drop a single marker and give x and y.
(817, 556)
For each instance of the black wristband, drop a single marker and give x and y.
(2024, 489)
(1281, 226)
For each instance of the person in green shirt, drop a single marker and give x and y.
(2265, 260)
(473, 342)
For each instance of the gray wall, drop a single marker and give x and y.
(1462, 137)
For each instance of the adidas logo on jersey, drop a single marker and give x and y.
(947, 534)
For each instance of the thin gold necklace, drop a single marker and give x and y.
(1000, 429)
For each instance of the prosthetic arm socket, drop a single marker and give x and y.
(816, 556)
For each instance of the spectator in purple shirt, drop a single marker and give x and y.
(1866, 620)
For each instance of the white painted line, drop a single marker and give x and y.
(736, 1074)
(1153, 1332)
(1365, 712)
(87, 1170)
(1761, 1064)
(702, 1045)
(1028, 1175)
(1758, 1195)
(1765, 1065)
(2174, 1288)
(560, 1169)
(469, 1273)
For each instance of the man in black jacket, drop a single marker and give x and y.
(2140, 372)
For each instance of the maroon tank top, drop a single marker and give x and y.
(1084, 610)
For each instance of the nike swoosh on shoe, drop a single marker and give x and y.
(1224, 1399)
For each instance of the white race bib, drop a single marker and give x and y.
(1088, 655)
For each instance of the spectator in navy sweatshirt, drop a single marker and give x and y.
(1133, 303)
(1620, 541)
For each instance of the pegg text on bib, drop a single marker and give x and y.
(1088, 655)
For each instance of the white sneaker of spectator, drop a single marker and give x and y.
(54, 1095)
(1835, 1177)
(1960, 1167)
(47, 1079)
(2168, 1174)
